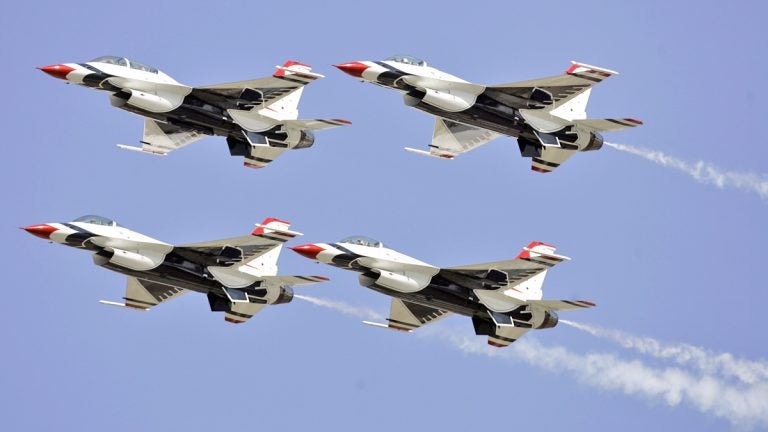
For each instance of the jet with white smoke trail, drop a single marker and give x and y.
(503, 299)
(702, 172)
(547, 116)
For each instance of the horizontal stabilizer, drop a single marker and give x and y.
(550, 159)
(608, 124)
(241, 312)
(505, 335)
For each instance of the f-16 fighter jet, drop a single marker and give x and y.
(238, 275)
(259, 117)
(547, 115)
(504, 299)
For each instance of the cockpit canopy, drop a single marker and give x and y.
(406, 59)
(96, 220)
(122, 61)
(362, 241)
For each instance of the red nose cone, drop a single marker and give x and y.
(308, 250)
(43, 231)
(355, 69)
(59, 71)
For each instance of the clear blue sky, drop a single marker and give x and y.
(660, 254)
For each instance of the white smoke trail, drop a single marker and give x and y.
(344, 308)
(702, 172)
(744, 404)
(724, 364)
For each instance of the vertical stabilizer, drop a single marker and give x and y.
(266, 264)
(574, 108)
(539, 253)
(288, 106)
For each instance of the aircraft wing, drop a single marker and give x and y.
(294, 280)
(289, 77)
(551, 91)
(442, 85)
(608, 124)
(406, 316)
(235, 250)
(396, 266)
(451, 139)
(536, 258)
(315, 124)
(162, 138)
(143, 294)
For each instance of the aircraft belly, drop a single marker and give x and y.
(168, 275)
(438, 298)
(478, 116)
(192, 118)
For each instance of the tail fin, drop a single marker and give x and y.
(575, 107)
(271, 228)
(288, 105)
(540, 253)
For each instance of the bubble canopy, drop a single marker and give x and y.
(96, 220)
(407, 59)
(362, 241)
(122, 61)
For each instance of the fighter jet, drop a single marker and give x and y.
(238, 275)
(504, 299)
(547, 115)
(259, 117)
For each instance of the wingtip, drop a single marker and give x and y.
(446, 156)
